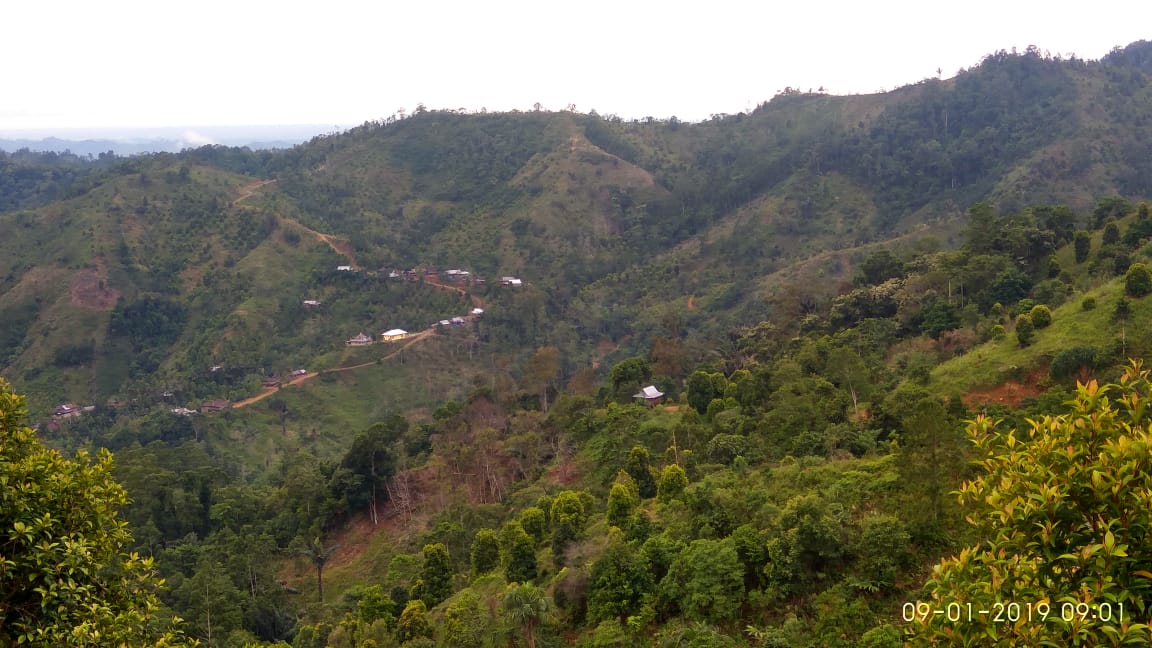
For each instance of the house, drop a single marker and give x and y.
(393, 335)
(393, 275)
(215, 368)
(477, 311)
(457, 275)
(650, 395)
(514, 282)
(67, 410)
(270, 382)
(296, 373)
(182, 411)
(457, 321)
(359, 340)
(445, 323)
(510, 281)
(344, 268)
(214, 406)
(311, 303)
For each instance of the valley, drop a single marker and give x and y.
(419, 343)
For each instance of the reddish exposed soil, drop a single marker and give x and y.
(691, 303)
(1010, 393)
(89, 290)
(563, 473)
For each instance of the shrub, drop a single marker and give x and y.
(1025, 330)
(998, 332)
(1040, 315)
(1138, 280)
(1070, 361)
(1088, 304)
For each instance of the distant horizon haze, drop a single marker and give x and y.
(134, 64)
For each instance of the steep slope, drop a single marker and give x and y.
(615, 225)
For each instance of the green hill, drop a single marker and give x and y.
(823, 288)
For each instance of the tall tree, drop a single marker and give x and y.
(639, 467)
(319, 555)
(371, 458)
(519, 554)
(485, 552)
(436, 574)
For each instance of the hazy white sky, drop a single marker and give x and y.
(84, 63)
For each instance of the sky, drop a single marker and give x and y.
(78, 64)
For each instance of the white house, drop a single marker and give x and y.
(650, 394)
(344, 268)
(393, 335)
(477, 311)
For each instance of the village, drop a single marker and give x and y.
(454, 279)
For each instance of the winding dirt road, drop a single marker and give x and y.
(343, 248)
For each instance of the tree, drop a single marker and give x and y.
(639, 468)
(568, 519)
(1111, 235)
(485, 552)
(673, 481)
(1064, 509)
(628, 374)
(436, 574)
(703, 387)
(880, 266)
(319, 555)
(371, 458)
(1138, 280)
(519, 554)
(706, 581)
(1082, 244)
(526, 607)
(1110, 207)
(413, 622)
(464, 622)
(66, 577)
(930, 453)
(620, 505)
(620, 583)
(535, 522)
(375, 605)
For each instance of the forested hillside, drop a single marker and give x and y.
(823, 291)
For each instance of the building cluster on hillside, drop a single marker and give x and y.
(454, 275)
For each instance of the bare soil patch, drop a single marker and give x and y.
(1011, 393)
(89, 290)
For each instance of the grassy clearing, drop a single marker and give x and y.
(997, 361)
